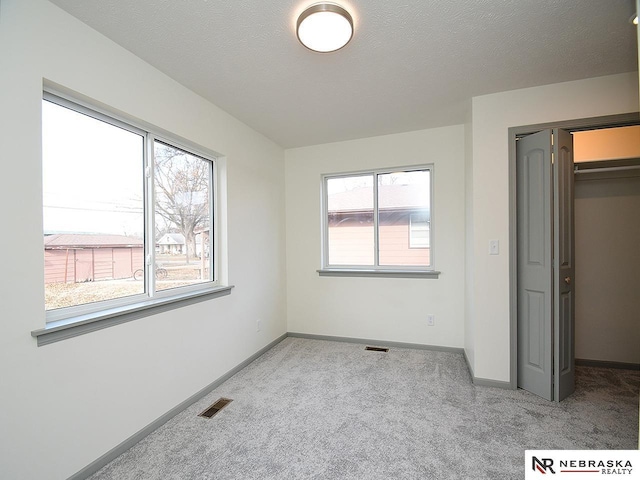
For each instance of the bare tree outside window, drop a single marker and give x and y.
(182, 206)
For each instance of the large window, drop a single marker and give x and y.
(378, 220)
(128, 216)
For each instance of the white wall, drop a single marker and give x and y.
(607, 264)
(492, 116)
(378, 308)
(66, 404)
(135, 372)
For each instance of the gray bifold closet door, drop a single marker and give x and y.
(545, 324)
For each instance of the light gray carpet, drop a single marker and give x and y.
(331, 410)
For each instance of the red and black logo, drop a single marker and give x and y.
(542, 465)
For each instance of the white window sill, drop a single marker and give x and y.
(74, 326)
(357, 272)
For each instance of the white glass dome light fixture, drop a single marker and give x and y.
(324, 27)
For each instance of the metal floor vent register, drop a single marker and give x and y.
(377, 349)
(216, 407)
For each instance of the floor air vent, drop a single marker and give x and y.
(377, 349)
(216, 407)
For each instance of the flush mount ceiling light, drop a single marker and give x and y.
(324, 27)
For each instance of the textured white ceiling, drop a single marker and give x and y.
(412, 64)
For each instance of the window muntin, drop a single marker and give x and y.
(99, 209)
(368, 219)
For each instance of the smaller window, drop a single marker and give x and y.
(378, 220)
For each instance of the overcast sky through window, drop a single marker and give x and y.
(92, 175)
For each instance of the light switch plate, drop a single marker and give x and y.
(494, 247)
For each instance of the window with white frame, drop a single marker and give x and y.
(128, 216)
(378, 220)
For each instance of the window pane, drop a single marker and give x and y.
(402, 195)
(350, 220)
(182, 214)
(92, 208)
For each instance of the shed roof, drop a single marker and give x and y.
(89, 240)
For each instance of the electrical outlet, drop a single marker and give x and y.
(494, 247)
(431, 320)
(258, 325)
